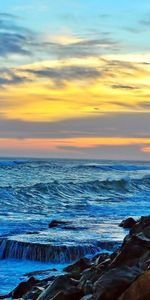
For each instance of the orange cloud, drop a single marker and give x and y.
(83, 142)
(146, 149)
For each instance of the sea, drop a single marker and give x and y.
(54, 211)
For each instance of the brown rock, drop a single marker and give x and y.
(139, 289)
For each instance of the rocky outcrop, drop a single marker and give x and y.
(122, 275)
(139, 289)
(56, 223)
(128, 223)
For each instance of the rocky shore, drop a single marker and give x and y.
(122, 275)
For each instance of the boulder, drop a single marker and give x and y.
(139, 289)
(63, 282)
(40, 272)
(87, 297)
(78, 266)
(99, 258)
(128, 223)
(114, 282)
(55, 223)
(24, 287)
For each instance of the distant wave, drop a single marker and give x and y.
(11, 163)
(115, 167)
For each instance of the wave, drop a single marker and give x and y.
(114, 167)
(62, 189)
(50, 253)
(12, 163)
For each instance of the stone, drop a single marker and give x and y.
(87, 297)
(78, 266)
(139, 289)
(40, 272)
(61, 283)
(114, 282)
(23, 288)
(55, 223)
(128, 223)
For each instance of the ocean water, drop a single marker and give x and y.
(91, 196)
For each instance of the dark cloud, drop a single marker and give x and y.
(13, 43)
(60, 75)
(125, 152)
(85, 47)
(8, 77)
(122, 104)
(145, 104)
(16, 39)
(122, 124)
(124, 87)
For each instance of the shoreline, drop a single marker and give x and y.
(115, 276)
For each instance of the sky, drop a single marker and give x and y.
(74, 79)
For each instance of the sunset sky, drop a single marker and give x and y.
(75, 79)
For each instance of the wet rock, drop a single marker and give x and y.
(6, 296)
(40, 272)
(23, 288)
(92, 274)
(32, 232)
(87, 297)
(128, 223)
(114, 282)
(139, 289)
(99, 258)
(122, 274)
(63, 282)
(71, 294)
(78, 266)
(55, 223)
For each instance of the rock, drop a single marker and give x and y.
(87, 297)
(114, 282)
(89, 275)
(71, 294)
(128, 223)
(78, 266)
(124, 273)
(99, 258)
(6, 296)
(61, 283)
(55, 223)
(139, 289)
(23, 288)
(40, 272)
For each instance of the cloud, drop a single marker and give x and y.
(83, 48)
(66, 73)
(146, 149)
(9, 77)
(122, 124)
(144, 104)
(17, 39)
(13, 43)
(14, 39)
(124, 87)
